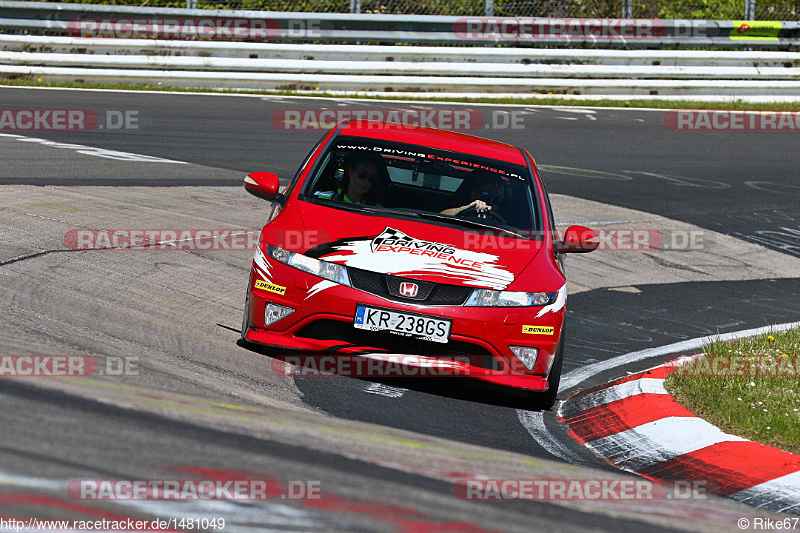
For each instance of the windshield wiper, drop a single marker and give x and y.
(360, 208)
(466, 222)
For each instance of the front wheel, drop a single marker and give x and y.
(246, 318)
(542, 401)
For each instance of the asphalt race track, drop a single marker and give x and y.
(385, 455)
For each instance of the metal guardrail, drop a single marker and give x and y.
(430, 55)
(535, 63)
(719, 9)
(402, 68)
(486, 71)
(478, 66)
(60, 19)
(465, 86)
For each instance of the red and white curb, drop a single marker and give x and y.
(636, 425)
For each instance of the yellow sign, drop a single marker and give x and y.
(538, 330)
(263, 285)
(755, 30)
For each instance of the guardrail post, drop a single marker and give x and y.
(488, 8)
(355, 6)
(627, 9)
(750, 10)
(191, 4)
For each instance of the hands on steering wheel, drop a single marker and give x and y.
(480, 209)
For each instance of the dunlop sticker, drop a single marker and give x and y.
(538, 330)
(263, 285)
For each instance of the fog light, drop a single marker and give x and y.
(274, 312)
(526, 355)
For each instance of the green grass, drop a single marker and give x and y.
(424, 97)
(758, 398)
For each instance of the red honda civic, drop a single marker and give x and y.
(394, 239)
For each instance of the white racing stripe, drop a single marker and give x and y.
(319, 287)
(657, 441)
(558, 305)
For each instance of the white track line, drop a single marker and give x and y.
(384, 390)
(359, 97)
(533, 421)
(93, 151)
(579, 375)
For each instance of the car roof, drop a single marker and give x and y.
(434, 138)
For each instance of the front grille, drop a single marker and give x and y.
(327, 329)
(424, 287)
(388, 286)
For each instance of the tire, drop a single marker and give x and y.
(543, 401)
(246, 318)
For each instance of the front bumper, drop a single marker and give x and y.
(323, 322)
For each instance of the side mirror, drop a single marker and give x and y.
(578, 239)
(264, 185)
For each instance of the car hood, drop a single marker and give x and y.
(422, 250)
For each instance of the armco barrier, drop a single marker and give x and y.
(402, 68)
(466, 69)
(414, 84)
(484, 71)
(55, 18)
(398, 54)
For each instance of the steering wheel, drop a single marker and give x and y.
(472, 212)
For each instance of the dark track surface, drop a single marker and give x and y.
(701, 178)
(600, 325)
(733, 182)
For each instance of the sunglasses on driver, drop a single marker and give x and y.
(490, 198)
(364, 175)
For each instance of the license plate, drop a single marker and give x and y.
(406, 324)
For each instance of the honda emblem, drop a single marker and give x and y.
(409, 289)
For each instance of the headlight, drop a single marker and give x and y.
(323, 269)
(490, 298)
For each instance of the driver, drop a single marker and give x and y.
(487, 193)
(364, 172)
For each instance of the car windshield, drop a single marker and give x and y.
(409, 180)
